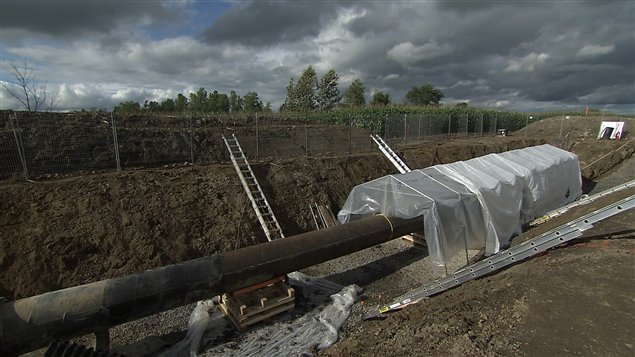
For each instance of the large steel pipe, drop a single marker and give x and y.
(31, 323)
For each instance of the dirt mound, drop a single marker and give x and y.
(61, 233)
(579, 135)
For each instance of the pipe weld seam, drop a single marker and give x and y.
(392, 229)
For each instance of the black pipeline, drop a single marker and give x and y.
(31, 323)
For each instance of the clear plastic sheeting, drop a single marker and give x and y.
(476, 203)
(321, 308)
(198, 323)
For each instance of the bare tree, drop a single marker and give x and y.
(31, 91)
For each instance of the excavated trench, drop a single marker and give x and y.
(55, 234)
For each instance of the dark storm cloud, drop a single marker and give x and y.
(470, 6)
(518, 54)
(270, 22)
(541, 51)
(76, 18)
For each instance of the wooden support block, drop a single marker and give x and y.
(248, 308)
(416, 239)
(258, 286)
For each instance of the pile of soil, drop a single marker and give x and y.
(61, 233)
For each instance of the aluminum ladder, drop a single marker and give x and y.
(258, 200)
(390, 154)
(317, 217)
(529, 248)
(322, 216)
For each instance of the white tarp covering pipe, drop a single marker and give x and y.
(476, 203)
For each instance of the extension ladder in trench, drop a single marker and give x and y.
(258, 200)
(250, 305)
(390, 154)
(322, 216)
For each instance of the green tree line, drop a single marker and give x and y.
(308, 94)
(199, 101)
(312, 94)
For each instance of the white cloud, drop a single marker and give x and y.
(8, 101)
(335, 42)
(391, 46)
(462, 83)
(408, 54)
(595, 50)
(527, 63)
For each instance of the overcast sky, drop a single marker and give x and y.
(527, 55)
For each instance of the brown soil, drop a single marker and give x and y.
(55, 234)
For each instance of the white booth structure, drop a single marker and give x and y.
(611, 130)
(476, 203)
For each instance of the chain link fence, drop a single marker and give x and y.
(44, 145)
(413, 129)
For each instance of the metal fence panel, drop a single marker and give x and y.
(38, 145)
(57, 144)
(10, 164)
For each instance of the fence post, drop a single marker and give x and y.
(191, 141)
(482, 123)
(405, 130)
(257, 138)
(372, 132)
(467, 123)
(385, 127)
(419, 139)
(562, 124)
(115, 140)
(306, 136)
(495, 122)
(18, 142)
(350, 135)
(527, 124)
(430, 125)
(449, 123)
